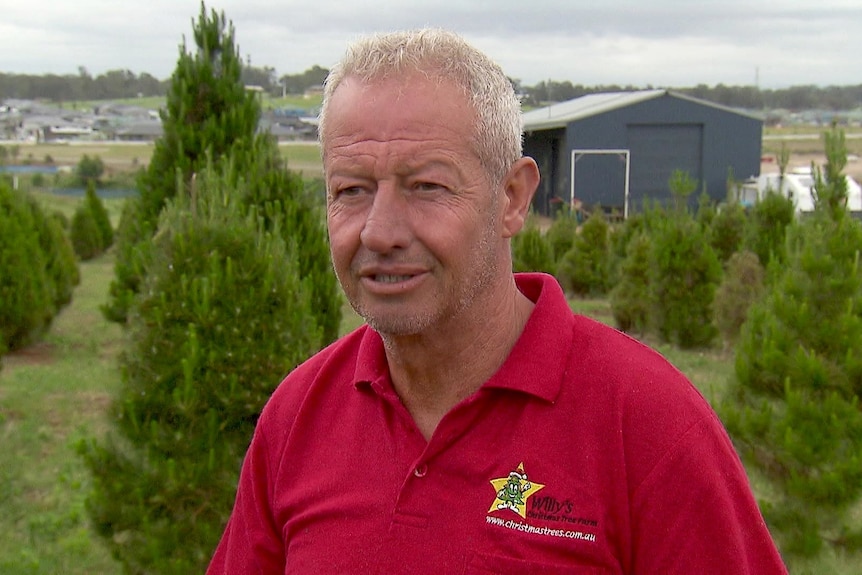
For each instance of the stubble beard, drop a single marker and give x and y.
(482, 269)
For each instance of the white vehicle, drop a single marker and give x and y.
(798, 186)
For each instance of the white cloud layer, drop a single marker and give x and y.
(661, 43)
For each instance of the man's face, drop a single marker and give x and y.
(414, 223)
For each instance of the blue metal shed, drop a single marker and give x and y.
(618, 149)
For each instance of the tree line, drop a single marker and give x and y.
(834, 98)
(122, 84)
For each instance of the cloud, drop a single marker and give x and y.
(660, 43)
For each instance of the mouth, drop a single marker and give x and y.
(391, 282)
(390, 278)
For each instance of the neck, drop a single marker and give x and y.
(434, 371)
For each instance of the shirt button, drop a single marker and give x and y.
(420, 470)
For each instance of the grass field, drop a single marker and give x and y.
(301, 157)
(51, 395)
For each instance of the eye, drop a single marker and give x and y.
(428, 187)
(347, 192)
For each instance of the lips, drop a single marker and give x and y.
(384, 280)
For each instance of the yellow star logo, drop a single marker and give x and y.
(512, 492)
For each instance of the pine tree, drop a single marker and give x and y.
(766, 232)
(100, 215)
(585, 268)
(207, 110)
(684, 272)
(794, 412)
(210, 114)
(223, 279)
(38, 270)
(531, 251)
(727, 230)
(25, 299)
(223, 315)
(741, 287)
(85, 233)
(561, 235)
(630, 296)
(830, 184)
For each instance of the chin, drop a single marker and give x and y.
(397, 324)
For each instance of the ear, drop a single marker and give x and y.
(520, 185)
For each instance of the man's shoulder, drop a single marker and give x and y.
(335, 364)
(638, 375)
(618, 350)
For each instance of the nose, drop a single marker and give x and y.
(387, 225)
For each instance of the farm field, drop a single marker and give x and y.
(302, 157)
(805, 145)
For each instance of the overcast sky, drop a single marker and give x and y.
(659, 43)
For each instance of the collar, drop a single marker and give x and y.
(536, 364)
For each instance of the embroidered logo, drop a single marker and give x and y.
(512, 492)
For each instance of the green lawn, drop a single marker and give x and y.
(52, 395)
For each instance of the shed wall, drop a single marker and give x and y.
(661, 134)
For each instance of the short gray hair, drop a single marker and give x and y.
(447, 56)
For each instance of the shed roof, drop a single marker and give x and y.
(561, 114)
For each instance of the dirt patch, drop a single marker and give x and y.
(40, 353)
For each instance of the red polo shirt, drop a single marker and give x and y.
(586, 452)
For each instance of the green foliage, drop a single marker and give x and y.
(223, 315)
(278, 194)
(782, 158)
(706, 211)
(24, 296)
(37, 272)
(585, 268)
(210, 117)
(630, 297)
(298, 83)
(61, 265)
(100, 215)
(742, 285)
(684, 272)
(132, 255)
(727, 230)
(85, 234)
(682, 185)
(207, 112)
(795, 413)
(89, 169)
(767, 227)
(531, 251)
(562, 232)
(830, 184)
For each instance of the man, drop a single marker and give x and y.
(475, 425)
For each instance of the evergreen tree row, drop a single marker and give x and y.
(38, 269)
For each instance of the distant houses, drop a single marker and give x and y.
(34, 121)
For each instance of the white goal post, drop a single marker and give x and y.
(586, 152)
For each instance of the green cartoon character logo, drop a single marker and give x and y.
(513, 491)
